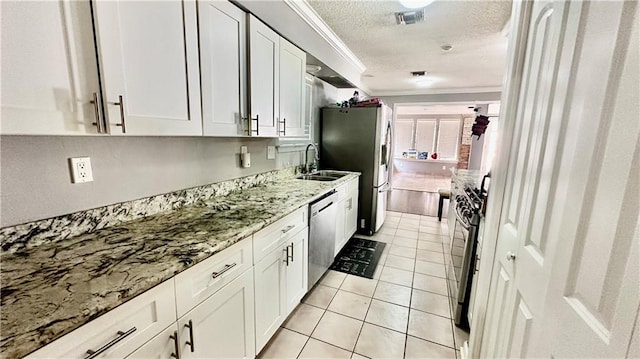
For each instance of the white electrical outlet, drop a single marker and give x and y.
(81, 169)
(271, 152)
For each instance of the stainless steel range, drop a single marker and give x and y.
(460, 250)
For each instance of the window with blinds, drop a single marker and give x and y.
(441, 135)
(448, 139)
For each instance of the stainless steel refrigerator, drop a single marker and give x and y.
(359, 139)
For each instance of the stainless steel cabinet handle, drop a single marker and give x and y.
(511, 256)
(176, 345)
(291, 253)
(104, 348)
(190, 343)
(288, 228)
(96, 109)
(286, 255)
(122, 120)
(284, 127)
(257, 130)
(226, 268)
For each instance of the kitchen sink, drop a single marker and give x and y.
(323, 175)
(315, 177)
(328, 173)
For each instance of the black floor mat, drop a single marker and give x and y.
(359, 257)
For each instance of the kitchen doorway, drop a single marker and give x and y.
(430, 142)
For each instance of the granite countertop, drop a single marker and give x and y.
(52, 289)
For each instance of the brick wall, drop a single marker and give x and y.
(465, 143)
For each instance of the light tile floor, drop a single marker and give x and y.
(402, 313)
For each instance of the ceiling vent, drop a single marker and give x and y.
(409, 17)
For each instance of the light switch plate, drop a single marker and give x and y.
(81, 169)
(271, 152)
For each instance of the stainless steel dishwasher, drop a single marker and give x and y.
(322, 234)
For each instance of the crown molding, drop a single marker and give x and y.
(306, 12)
(438, 91)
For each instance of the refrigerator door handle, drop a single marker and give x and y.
(382, 185)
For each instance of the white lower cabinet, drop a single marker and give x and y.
(351, 213)
(221, 326)
(119, 332)
(296, 270)
(220, 308)
(164, 345)
(280, 282)
(340, 226)
(270, 287)
(347, 218)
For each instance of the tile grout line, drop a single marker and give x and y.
(364, 320)
(322, 316)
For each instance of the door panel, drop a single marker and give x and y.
(223, 325)
(270, 289)
(521, 329)
(148, 53)
(223, 68)
(569, 225)
(49, 68)
(594, 296)
(529, 182)
(291, 87)
(264, 78)
(297, 276)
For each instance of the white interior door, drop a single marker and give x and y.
(593, 297)
(542, 272)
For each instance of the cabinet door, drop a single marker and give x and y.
(223, 66)
(292, 90)
(49, 70)
(270, 291)
(341, 211)
(297, 269)
(222, 326)
(148, 55)
(263, 78)
(351, 217)
(163, 346)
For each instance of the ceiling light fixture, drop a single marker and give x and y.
(415, 4)
(422, 82)
(446, 48)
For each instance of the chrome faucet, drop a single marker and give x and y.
(308, 168)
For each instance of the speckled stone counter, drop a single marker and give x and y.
(461, 178)
(50, 289)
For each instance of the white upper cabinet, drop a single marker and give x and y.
(223, 67)
(293, 63)
(264, 55)
(49, 70)
(148, 56)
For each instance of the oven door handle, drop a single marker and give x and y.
(464, 225)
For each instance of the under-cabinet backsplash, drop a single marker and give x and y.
(55, 229)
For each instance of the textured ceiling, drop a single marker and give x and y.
(392, 51)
